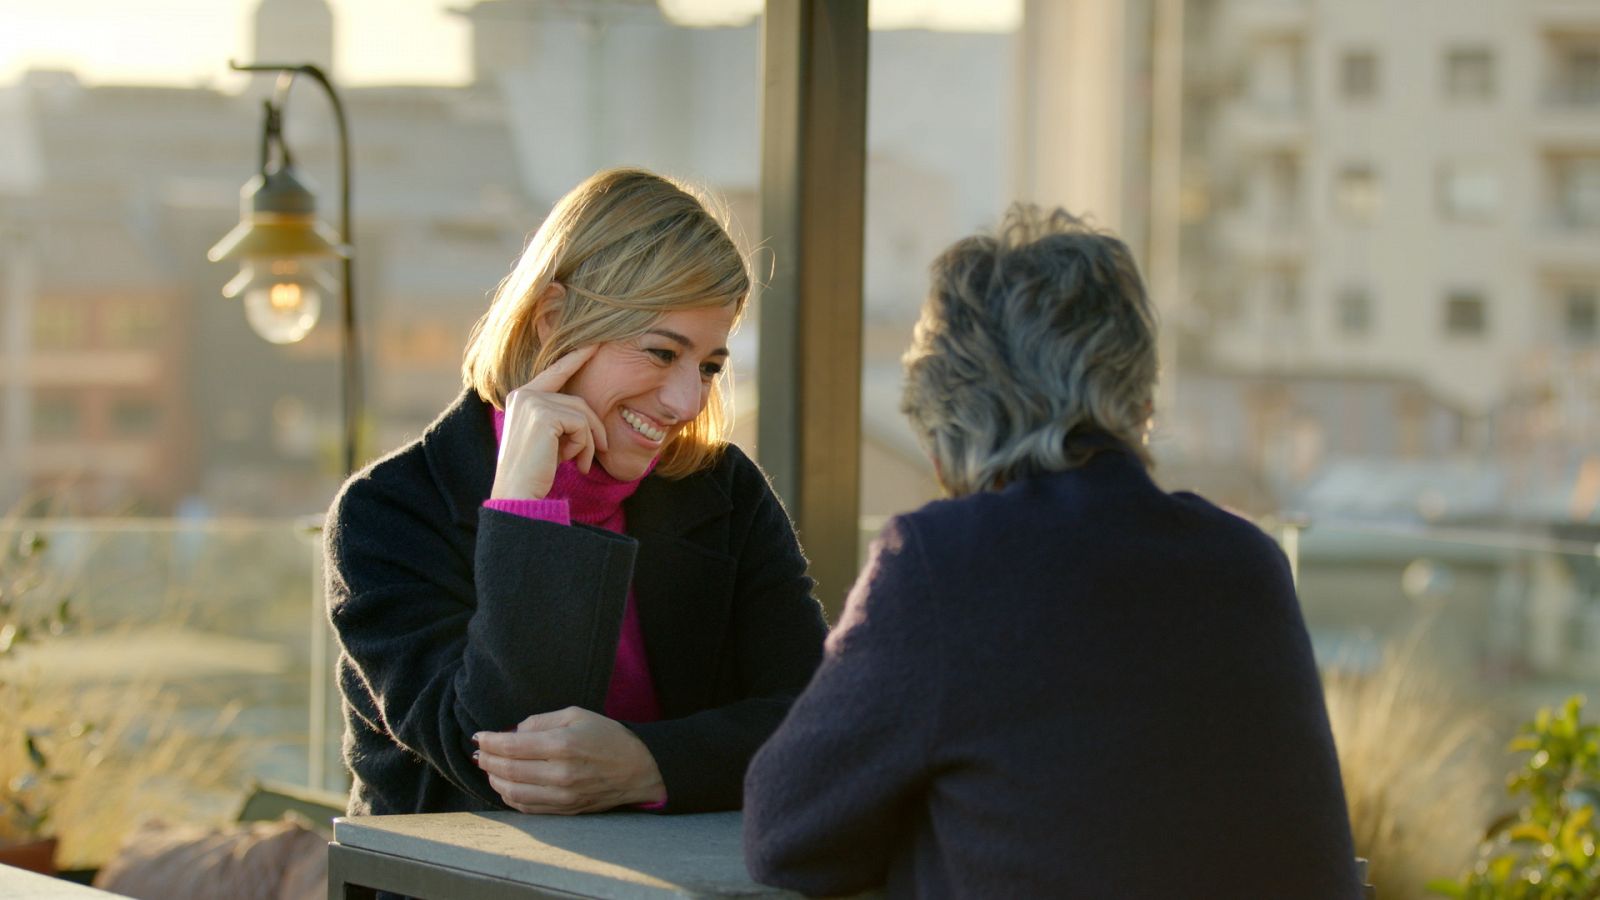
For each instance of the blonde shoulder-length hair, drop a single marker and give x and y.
(628, 246)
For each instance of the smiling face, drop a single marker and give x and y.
(645, 389)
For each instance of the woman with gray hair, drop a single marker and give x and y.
(1061, 680)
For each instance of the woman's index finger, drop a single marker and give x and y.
(556, 376)
(518, 744)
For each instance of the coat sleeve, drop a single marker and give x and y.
(776, 634)
(828, 798)
(444, 646)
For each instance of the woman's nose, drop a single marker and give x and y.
(681, 394)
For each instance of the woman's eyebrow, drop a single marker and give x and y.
(684, 341)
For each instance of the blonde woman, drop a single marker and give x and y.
(570, 594)
(1061, 681)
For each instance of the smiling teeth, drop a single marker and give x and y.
(643, 427)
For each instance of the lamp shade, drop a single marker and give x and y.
(277, 220)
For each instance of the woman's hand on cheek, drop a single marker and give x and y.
(543, 427)
(569, 761)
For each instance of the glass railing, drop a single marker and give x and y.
(1507, 620)
(194, 660)
(198, 657)
(1436, 644)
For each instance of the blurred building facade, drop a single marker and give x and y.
(448, 182)
(1376, 247)
(127, 384)
(1391, 218)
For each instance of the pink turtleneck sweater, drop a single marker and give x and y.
(596, 499)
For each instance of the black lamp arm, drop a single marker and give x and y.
(272, 136)
(286, 76)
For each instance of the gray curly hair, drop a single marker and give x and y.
(1030, 340)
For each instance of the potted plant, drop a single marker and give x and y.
(28, 780)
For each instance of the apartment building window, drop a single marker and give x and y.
(1469, 74)
(1283, 292)
(1279, 182)
(1357, 194)
(132, 323)
(56, 416)
(1354, 309)
(1279, 288)
(1466, 314)
(60, 325)
(1469, 191)
(1358, 75)
(1575, 72)
(1581, 314)
(1576, 181)
(1274, 77)
(134, 416)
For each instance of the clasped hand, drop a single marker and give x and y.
(567, 762)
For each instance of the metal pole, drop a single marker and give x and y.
(350, 393)
(1166, 190)
(320, 676)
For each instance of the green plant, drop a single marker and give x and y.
(29, 797)
(1546, 850)
(21, 578)
(29, 611)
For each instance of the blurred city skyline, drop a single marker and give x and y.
(1363, 316)
(189, 42)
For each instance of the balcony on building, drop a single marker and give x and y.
(1256, 239)
(1561, 15)
(1267, 123)
(1269, 110)
(1267, 223)
(1563, 247)
(1571, 63)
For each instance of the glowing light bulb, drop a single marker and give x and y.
(282, 313)
(282, 299)
(285, 298)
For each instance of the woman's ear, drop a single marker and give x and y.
(547, 311)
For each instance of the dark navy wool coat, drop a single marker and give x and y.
(1077, 686)
(453, 619)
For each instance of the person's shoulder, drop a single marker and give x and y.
(1230, 525)
(392, 481)
(424, 474)
(739, 476)
(939, 532)
(1218, 514)
(944, 515)
(732, 462)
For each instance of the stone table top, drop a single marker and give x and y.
(24, 885)
(613, 855)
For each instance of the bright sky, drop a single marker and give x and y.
(186, 42)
